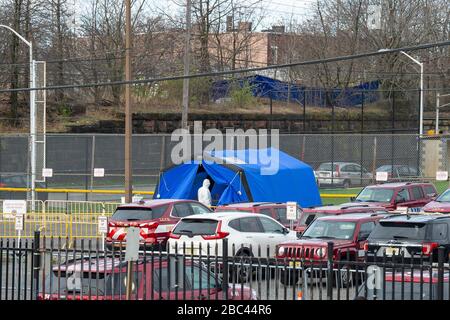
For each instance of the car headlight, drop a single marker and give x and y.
(281, 251)
(321, 252)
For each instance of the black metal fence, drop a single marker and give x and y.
(45, 269)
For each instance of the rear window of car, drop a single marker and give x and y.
(193, 227)
(399, 230)
(137, 214)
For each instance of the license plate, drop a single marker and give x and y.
(298, 264)
(392, 251)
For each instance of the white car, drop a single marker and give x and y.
(248, 234)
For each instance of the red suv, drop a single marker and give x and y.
(310, 214)
(104, 278)
(391, 195)
(347, 232)
(155, 218)
(275, 210)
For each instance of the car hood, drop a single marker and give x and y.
(317, 243)
(372, 204)
(435, 206)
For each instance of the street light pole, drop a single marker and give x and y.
(421, 91)
(128, 114)
(184, 114)
(32, 84)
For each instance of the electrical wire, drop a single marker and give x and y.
(238, 71)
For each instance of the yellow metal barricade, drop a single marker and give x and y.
(33, 220)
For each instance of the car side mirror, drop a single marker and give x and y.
(353, 199)
(286, 231)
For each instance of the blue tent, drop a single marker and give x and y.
(242, 176)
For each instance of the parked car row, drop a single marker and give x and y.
(348, 174)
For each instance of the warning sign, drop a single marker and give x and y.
(13, 207)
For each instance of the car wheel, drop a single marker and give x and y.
(241, 271)
(346, 184)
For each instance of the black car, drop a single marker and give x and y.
(409, 238)
(18, 181)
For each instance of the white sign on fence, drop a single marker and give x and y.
(291, 210)
(102, 224)
(47, 172)
(134, 199)
(99, 172)
(382, 176)
(13, 207)
(19, 221)
(442, 175)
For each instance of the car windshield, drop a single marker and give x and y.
(137, 214)
(330, 230)
(445, 197)
(399, 230)
(193, 227)
(375, 195)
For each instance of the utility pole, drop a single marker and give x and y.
(128, 114)
(184, 115)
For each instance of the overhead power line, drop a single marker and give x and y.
(237, 71)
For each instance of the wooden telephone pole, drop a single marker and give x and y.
(128, 113)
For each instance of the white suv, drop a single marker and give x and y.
(248, 234)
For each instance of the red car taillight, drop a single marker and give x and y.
(2, 185)
(174, 236)
(219, 234)
(366, 246)
(427, 248)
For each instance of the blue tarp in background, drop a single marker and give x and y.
(239, 181)
(266, 87)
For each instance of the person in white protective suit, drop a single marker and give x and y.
(204, 195)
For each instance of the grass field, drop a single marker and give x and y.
(441, 186)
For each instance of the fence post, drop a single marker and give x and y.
(330, 271)
(36, 262)
(440, 284)
(225, 268)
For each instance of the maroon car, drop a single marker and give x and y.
(440, 205)
(155, 218)
(310, 214)
(104, 278)
(347, 232)
(275, 210)
(412, 195)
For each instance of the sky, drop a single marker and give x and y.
(277, 11)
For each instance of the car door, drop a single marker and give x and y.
(417, 199)
(364, 231)
(251, 235)
(274, 234)
(402, 198)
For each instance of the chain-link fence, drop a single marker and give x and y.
(339, 160)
